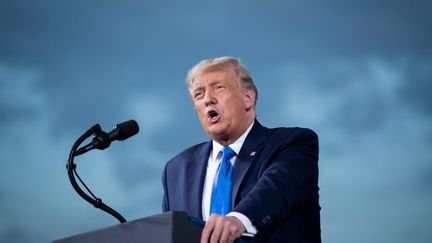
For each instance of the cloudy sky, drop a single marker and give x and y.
(358, 73)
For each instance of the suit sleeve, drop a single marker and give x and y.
(286, 182)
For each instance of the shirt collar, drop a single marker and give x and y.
(236, 146)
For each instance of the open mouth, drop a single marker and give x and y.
(213, 116)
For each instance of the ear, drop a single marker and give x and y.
(249, 99)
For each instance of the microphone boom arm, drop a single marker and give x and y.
(71, 166)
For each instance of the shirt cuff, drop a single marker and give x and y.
(250, 229)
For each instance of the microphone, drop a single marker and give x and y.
(102, 140)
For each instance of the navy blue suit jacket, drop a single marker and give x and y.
(275, 183)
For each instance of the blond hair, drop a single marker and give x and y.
(222, 63)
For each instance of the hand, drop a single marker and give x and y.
(220, 228)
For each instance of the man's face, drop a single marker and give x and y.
(224, 109)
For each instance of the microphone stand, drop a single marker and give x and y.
(71, 166)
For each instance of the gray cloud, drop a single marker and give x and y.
(374, 144)
(416, 90)
(18, 235)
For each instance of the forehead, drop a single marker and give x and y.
(214, 76)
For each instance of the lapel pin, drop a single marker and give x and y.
(252, 154)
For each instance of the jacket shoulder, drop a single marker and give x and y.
(292, 132)
(187, 153)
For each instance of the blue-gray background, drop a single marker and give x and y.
(358, 73)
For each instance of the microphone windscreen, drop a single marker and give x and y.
(126, 129)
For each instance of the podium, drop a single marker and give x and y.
(170, 227)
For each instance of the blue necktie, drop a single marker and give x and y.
(221, 194)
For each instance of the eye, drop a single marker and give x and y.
(219, 86)
(198, 95)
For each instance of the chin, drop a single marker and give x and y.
(216, 133)
(221, 137)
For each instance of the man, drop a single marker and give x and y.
(248, 178)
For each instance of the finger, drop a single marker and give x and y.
(217, 229)
(226, 235)
(206, 232)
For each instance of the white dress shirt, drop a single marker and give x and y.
(215, 159)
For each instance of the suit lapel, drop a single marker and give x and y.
(249, 151)
(195, 181)
(198, 168)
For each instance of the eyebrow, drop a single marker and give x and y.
(215, 82)
(212, 83)
(194, 89)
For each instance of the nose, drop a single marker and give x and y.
(209, 98)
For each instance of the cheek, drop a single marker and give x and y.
(199, 109)
(196, 105)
